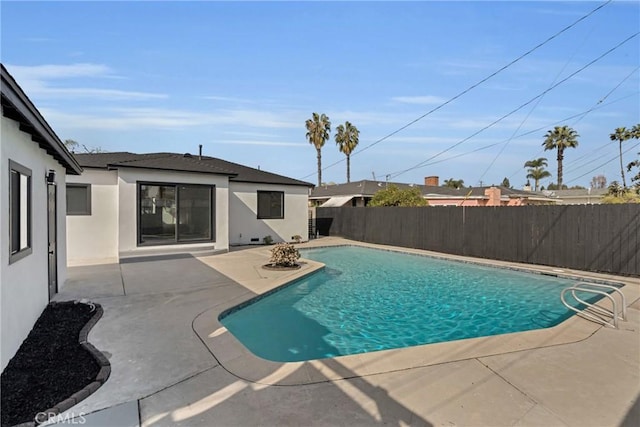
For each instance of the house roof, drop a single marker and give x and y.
(366, 188)
(17, 106)
(576, 193)
(184, 163)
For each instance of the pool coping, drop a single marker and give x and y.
(239, 361)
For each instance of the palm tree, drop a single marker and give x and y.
(347, 138)
(560, 138)
(318, 129)
(536, 170)
(621, 135)
(454, 183)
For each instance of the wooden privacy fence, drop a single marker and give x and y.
(601, 238)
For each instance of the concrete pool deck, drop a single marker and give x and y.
(172, 359)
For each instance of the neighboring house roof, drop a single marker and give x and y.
(366, 188)
(17, 106)
(184, 163)
(576, 193)
(337, 201)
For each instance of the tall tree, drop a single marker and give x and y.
(318, 131)
(636, 177)
(454, 183)
(635, 134)
(506, 183)
(536, 171)
(560, 138)
(599, 181)
(347, 138)
(621, 135)
(71, 145)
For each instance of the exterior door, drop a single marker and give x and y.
(52, 237)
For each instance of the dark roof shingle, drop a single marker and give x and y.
(184, 163)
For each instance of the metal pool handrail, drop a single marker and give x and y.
(600, 310)
(615, 289)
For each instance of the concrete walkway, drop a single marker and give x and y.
(173, 365)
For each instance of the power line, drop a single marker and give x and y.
(599, 106)
(608, 94)
(581, 116)
(421, 164)
(605, 163)
(524, 120)
(470, 88)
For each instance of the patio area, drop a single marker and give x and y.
(174, 364)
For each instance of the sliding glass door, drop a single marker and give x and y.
(175, 213)
(194, 215)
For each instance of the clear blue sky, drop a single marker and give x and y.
(241, 78)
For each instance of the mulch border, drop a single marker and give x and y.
(88, 390)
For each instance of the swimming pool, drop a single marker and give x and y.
(367, 300)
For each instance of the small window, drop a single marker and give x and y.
(78, 199)
(270, 205)
(19, 212)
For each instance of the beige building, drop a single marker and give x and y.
(585, 196)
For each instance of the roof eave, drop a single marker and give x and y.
(249, 181)
(21, 109)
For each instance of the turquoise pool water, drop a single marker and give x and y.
(367, 300)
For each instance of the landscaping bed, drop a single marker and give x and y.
(54, 367)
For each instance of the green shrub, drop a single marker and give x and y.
(394, 196)
(284, 255)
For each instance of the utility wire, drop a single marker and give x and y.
(617, 157)
(532, 109)
(599, 106)
(581, 116)
(421, 164)
(470, 88)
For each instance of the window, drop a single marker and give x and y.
(175, 213)
(78, 199)
(270, 205)
(19, 211)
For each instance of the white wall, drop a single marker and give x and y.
(243, 210)
(127, 205)
(24, 291)
(93, 239)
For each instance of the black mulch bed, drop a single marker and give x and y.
(50, 365)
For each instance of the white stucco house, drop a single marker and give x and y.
(33, 251)
(127, 205)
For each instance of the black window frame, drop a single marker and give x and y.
(17, 253)
(270, 215)
(87, 210)
(176, 240)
